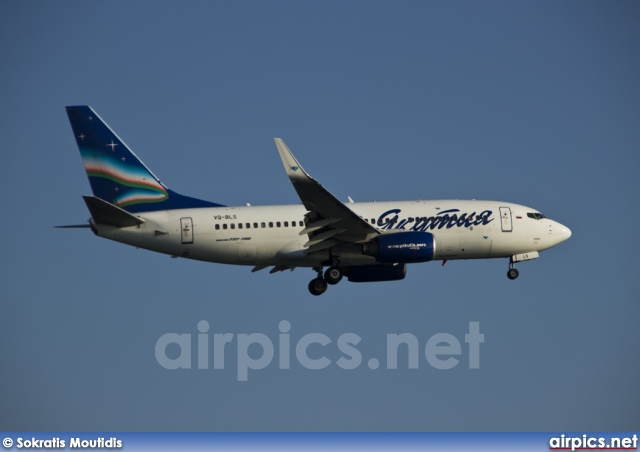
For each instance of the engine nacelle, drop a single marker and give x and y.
(402, 247)
(373, 273)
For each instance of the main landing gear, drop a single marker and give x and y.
(332, 276)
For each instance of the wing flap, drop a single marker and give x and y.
(317, 225)
(319, 238)
(321, 246)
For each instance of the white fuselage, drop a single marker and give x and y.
(269, 235)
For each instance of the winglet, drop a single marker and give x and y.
(292, 167)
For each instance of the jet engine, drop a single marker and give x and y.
(373, 273)
(402, 247)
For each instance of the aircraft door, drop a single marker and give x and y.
(505, 218)
(186, 228)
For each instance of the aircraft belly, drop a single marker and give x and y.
(129, 235)
(476, 248)
(507, 244)
(247, 254)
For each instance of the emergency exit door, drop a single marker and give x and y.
(186, 228)
(505, 218)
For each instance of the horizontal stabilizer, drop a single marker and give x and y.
(103, 212)
(73, 226)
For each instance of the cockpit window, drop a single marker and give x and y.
(535, 215)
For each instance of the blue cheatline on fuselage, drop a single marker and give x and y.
(116, 174)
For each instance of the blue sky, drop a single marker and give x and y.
(536, 103)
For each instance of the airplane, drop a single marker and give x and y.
(359, 241)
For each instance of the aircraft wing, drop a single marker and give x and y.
(329, 221)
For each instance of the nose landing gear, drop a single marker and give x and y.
(513, 273)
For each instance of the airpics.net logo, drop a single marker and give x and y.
(257, 351)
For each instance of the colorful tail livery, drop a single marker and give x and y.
(360, 241)
(116, 174)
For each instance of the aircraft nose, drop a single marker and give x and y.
(562, 232)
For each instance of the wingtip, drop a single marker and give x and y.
(291, 165)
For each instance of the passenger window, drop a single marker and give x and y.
(248, 225)
(286, 224)
(224, 226)
(233, 225)
(271, 224)
(278, 224)
(263, 224)
(217, 227)
(255, 225)
(239, 225)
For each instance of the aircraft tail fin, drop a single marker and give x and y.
(116, 174)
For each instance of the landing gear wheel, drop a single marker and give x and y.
(513, 273)
(317, 286)
(333, 275)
